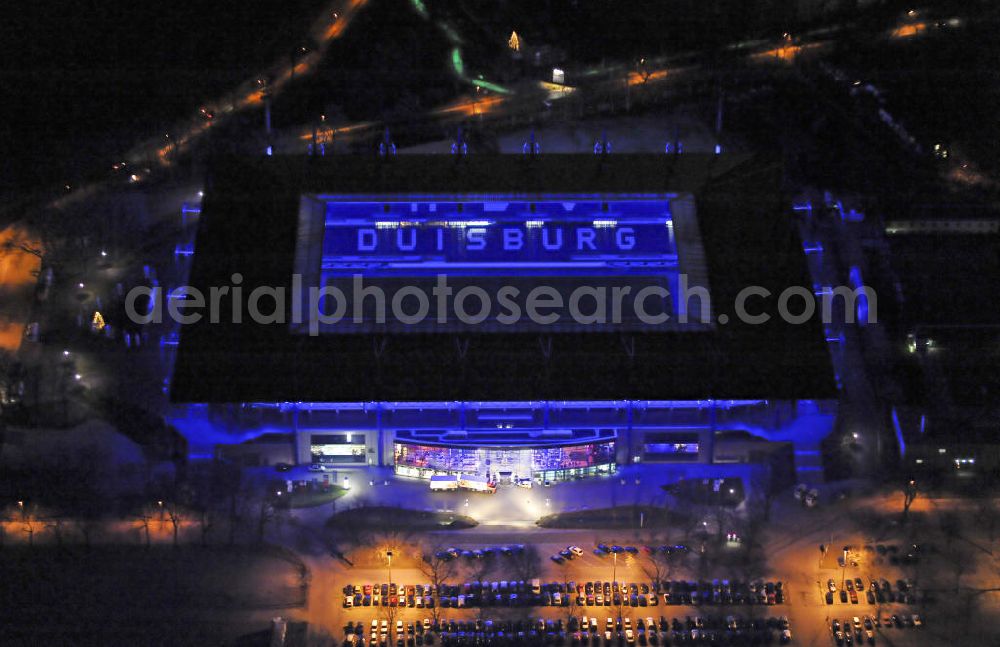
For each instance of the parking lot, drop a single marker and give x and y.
(705, 606)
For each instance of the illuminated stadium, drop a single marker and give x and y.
(505, 400)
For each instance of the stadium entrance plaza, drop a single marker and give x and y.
(514, 506)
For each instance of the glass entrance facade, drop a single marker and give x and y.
(499, 464)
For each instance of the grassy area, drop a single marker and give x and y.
(619, 517)
(313, 498)
(380, 517)
(114, 595)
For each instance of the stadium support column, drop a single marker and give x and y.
(633, 441)
(380, 434)
(708, 440)
(301, 440)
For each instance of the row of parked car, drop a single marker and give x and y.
(513, 593)
(451, 553)
(878, 591)
(577, 632)
(723, 592)
(519, 593)
(566, 554)
(861, 630)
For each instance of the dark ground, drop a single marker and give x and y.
(133, 596)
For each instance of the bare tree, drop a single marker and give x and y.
(12, 374)
(56, 524)
(572, 607)
(723, 519)
(482, 567)
(227, 484)
(986, 516)
(30, 519)
(20, 241)
(657, 565)
(909, 496)
(175, 514)
(87, 522)
(526, 564)
(144, 517)
(751, 558)
(5, 518)
(960, 560)
(438, 569)
(388, 612)
(264, 513)
(205, 515)
(762, 493)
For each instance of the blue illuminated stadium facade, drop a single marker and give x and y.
(507, 401)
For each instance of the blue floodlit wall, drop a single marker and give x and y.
(526, 424)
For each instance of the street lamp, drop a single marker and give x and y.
(614, 569)
(388, 554)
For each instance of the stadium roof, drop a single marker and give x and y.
(249, 223)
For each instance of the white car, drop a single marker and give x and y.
(576, 550)
(629, 636)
